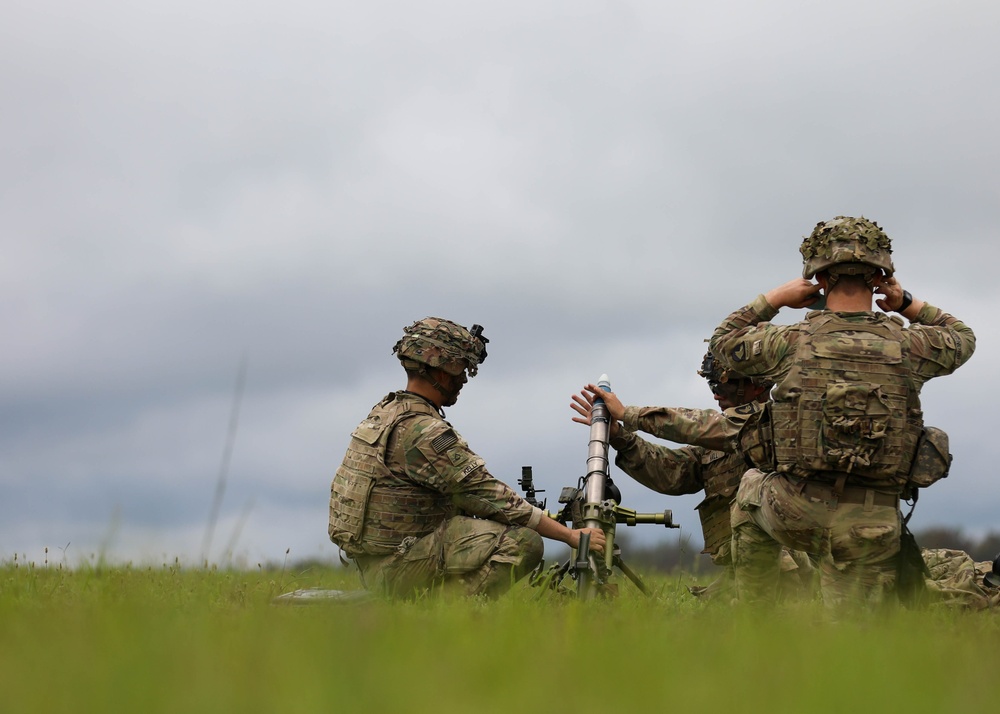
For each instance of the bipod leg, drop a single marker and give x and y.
(582, 567)
(556, 578)
(631, 574)
(549, 578)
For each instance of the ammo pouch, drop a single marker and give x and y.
(714, 515)
(932, 461)
(855, 423)
(352, 487)
(755, 441)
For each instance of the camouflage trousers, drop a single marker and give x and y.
(854, 544)
(467, 556)
(796, 579)
(796, 573)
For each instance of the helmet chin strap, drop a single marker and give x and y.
(448, 394)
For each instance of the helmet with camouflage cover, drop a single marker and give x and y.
(716, 375)
(442, 344)
(845, 245)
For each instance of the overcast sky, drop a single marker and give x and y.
(188, 185)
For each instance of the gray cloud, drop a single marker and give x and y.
(597, 183)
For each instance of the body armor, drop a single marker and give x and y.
(367, 516)
(722, 477)
(755, 439)
(722, 474)
(849, 405)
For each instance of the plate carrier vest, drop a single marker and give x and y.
(849, 404)
(368, 517)
(722, 473)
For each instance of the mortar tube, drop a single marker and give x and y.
(597, 472)
(597, 458)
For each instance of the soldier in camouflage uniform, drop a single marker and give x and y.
(845, 418)
(708, 463)
(413, 505)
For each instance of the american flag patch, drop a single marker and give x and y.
(444, 442)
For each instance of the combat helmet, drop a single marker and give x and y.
(442, 344)
(845, 245)
(716, 376)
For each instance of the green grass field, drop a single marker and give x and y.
(170, 639)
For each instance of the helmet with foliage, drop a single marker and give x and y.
(845, 246)
(442, 344)
(717, 376)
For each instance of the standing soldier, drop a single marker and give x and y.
(845, 417)
(411, 503)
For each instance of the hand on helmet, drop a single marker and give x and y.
(891, 292)
(795, 293)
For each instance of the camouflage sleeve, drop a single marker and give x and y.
(670, 471)
(938, 343)
(439, 458)
(747, 343)
(486, 497)
(698, 427)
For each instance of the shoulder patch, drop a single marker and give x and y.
(444, 441)
(739, 353)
